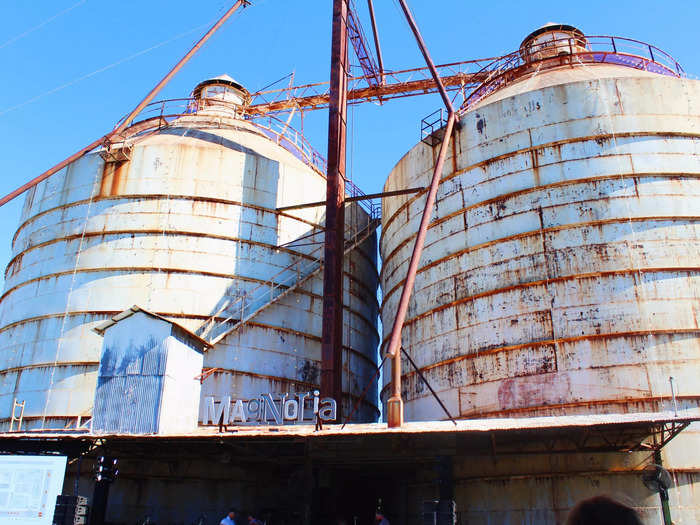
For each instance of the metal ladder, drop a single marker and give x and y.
(15, 405)
(249, 305)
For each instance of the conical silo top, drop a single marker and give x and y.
(221, 90)
(552, 39)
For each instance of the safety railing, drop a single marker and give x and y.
(593, 50)
(162, 113)
(242, 308)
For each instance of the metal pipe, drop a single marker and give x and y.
(332, 330)
(354, 198)
(151, 95)
(120, 127)
(432, 391)
(36, 180)
(395, 403)
(426, 55)
(376, 40)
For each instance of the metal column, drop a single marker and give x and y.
(332, 335)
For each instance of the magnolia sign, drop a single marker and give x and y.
(278, 409)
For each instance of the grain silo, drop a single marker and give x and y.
(178, 217)
(559, 275)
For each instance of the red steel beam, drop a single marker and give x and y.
(377, 47)
(426, 55)
(125, 123)
(387, 91)
(332, 332)
(395, 402)
(151, 95)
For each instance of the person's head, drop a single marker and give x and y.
(231, 513)
(602, 510)
(250, 518)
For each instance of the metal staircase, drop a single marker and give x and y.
(238, 312)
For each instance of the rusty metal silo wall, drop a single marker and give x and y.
(183, 227)
(560, 272)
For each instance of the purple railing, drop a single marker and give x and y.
(597, 50)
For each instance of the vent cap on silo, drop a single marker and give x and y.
(552, 40)
(221, 94)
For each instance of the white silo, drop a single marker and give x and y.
(180, 219)
(559, 275)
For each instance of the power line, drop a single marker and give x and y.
(42, 24)
(102, 69)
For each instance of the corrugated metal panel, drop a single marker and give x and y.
(129, 389)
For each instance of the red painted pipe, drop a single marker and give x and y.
(393, 350)
(151, 95)
(125, 123)
(426, 55)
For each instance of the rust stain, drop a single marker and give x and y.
(535, 390)
(553, 144)
(113, 178)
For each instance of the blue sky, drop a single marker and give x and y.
(53, 100)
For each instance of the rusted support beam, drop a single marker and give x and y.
(395, 403)
(332, 332)
(388, 90)
(151, 95)
(125, 123)
(377, 47)
(355, 198)
(426, 55)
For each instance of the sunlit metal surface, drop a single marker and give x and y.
(560, 275)
(183, 228)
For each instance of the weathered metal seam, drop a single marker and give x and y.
(299, 290)
(534, 149)
(532, 233)
(597, 402)
(174, 233)
(144, 269)
(537, 373)
(106, 314)
(541, 282)
(563, 340)
(571, 140)
(155, 197)
(250, 323)
(60, 364)
(535, 189)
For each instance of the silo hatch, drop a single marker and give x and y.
(120, 153)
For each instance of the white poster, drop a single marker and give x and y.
(28, 488)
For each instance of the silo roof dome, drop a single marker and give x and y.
(552, 26)
(220, 80)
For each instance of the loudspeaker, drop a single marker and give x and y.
(70, 510)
